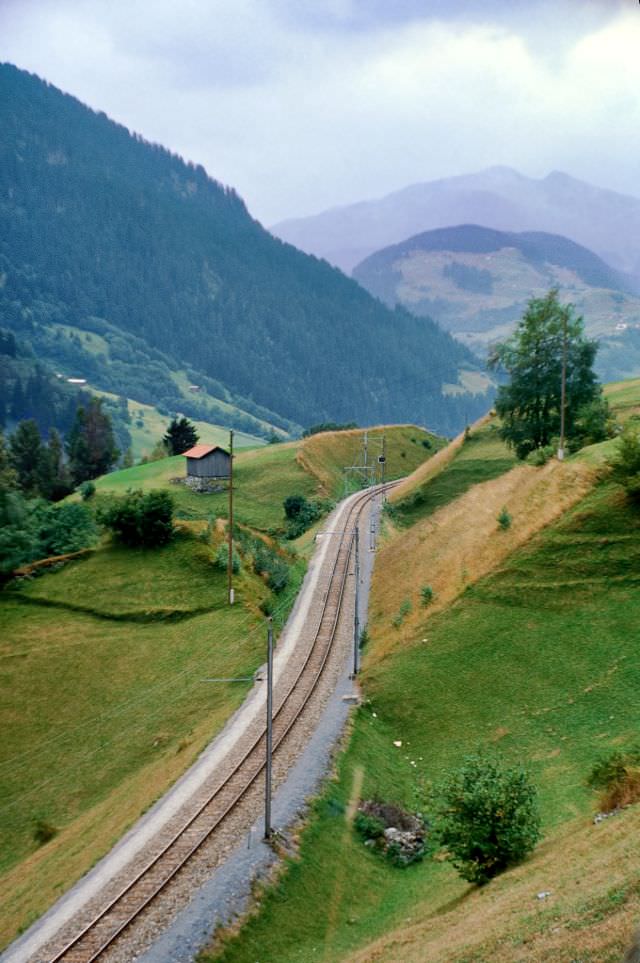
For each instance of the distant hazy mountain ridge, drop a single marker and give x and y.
(476, 282)
(122, 263)
(604, 221)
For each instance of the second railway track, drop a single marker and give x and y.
(210, 808)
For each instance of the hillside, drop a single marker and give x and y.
(124, 265)
(604, 221)
(476, 282)
(528, 652)
(103, 658)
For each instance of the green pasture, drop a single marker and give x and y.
(537, 663)
(482, 457)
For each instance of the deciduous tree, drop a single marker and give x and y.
(529, 405)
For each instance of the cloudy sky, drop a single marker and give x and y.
(305, 104)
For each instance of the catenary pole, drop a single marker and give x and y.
(230, 559)
(267, 786)
(356, 615)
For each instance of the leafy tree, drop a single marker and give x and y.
(140, 519)
(181, 435)
(488, 818)
(302, 512)
(65, 528)
(54, 477)
(8, 476)
(529, 405)
(30, 529)
(26, 453)
(90, 444)
(18, 534)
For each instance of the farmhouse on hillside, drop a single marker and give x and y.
(206, 464)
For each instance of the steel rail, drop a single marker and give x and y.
(334, 594)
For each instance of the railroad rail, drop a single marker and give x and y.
(107, 925)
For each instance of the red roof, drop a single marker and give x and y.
(199, 451)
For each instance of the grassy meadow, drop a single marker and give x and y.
(532, 657)
(102, 665)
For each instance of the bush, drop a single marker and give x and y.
(488, 818)
(266, 562)
(222, 558)
(44, 831)
(625, 464)
(618, 775)
(426, 595)
(139, 519)
(540, 456)
(302, 512)
(504, 520)
(66, 528)
(87, 490)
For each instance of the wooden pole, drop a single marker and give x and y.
(267, 771)
(230, 561)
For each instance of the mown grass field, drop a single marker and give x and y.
(102, 666)
(263, 478)
(536, 662)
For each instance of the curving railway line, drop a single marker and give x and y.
(209, 809)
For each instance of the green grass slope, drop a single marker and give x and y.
(482, 457)
(102, 665)
(536, 662)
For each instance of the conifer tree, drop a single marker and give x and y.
(181, 435)
(25, 447)
(90, 444)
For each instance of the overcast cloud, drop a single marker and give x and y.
(305, 104)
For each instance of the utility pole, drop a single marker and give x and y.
(563, 389)
(356, 616)
(267, 787)
(230, 560)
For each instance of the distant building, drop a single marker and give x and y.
(206, 464)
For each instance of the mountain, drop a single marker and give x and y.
(604, 221)
(476, 282)
(127, 266)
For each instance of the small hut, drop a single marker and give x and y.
(207, 464)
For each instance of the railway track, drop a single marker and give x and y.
(209, 811)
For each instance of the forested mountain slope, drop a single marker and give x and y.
(104, 232)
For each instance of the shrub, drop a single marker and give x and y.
(625, 464)
(403, 611)
(302, 512)
(43, 831)
(267, 562)
(488, 818)
(504, 520)
(87, 490)
(540, 456)
(619, 776)
(65, 528)
(222, 558)
(140, 519)
(426, 595)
